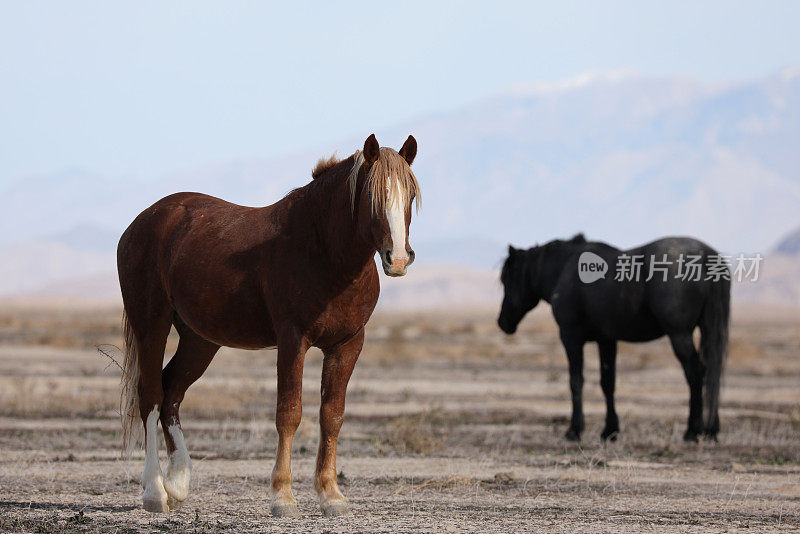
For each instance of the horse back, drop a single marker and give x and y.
(654, 302)
(236, 275)
(193, 250)
(677, 296)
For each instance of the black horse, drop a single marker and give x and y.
(600, 293)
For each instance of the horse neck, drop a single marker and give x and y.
(548, 267)
(328, 207)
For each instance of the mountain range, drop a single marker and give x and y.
(621, 158)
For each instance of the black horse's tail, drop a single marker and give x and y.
(714, 349)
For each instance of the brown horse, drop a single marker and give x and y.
(296, 274)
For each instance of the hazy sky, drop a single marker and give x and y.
(148, 88)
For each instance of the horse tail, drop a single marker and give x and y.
(713, 348)
(129, 391)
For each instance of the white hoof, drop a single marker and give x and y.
(155, 501)
(179, 468)
(177, 482)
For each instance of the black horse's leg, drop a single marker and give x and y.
(573, 343)
(684, 348)
(608, 370)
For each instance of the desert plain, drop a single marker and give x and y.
(451, 426)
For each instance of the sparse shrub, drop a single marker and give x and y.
(415, 434)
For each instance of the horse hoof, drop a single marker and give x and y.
(572, 435)
(609, 435)
(285, 509)
(177, 488)
(155, 504)
(334, 509)
(690, 437)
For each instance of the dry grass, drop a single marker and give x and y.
(450, 426)
(414, 433)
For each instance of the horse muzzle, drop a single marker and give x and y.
(506, 326)
(396, 266)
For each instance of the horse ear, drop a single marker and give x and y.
(371, 150)
(511, 250)
(579, 239)
(409, 150)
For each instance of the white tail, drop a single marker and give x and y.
(129, 392)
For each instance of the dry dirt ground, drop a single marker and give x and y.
(451, 426)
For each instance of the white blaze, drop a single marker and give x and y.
(396, 215)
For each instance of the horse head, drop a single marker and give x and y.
(519, 286)
(383, 189)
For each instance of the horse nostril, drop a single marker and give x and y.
(389, 257)
(411, 256)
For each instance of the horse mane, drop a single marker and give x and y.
(505, 268)
(537, 253)
(578, 239)
(323, 165)
(389, 165)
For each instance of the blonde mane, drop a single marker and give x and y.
(389, 165)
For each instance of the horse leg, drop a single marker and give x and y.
(608, 364)
(684, 348)
(573, 343)
(289, 409)
(151, 339)
(336, 370)
(190, 361)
